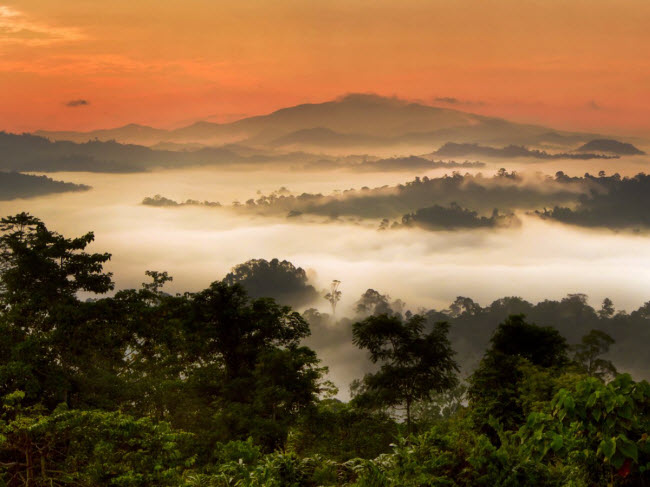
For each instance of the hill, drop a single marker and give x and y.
(15, 185)
(610, 146)
(25, 152)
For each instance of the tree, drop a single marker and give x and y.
(586, 355)
(466, 306)
(414, 364)
(607, 310)
(276, 279)
(494, 385)
(374, 303)
(439, 407)
(341, 431)
(245, 362)
(94, 447)
(38, 266)
(334, 295)
(599, 428)
(50, 342)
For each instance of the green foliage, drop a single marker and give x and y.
(216, 363)
(453, 455)
(586, 355)
(89, 448)
(413, 363)
(216, 389)
(439, 407)
(52, 345)
(494, 386)
(603, 427)
(341, 432)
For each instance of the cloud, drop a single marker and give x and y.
(17, 28)
(77, 103)
(593, 105)
(450, 100)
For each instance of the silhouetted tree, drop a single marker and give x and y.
(276, 279)
(494, 384)
(334, 296)
(372, 302)
(49, 341)
(414, 364)
(463, 305)
(248, 362)
(587, 354)
(607, 309)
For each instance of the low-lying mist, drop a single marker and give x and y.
(536, 260)
(539, 259)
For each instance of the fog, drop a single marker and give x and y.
(536, 260)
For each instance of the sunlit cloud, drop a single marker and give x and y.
(122, 66)
(16, 28)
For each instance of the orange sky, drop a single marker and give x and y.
(567, 63)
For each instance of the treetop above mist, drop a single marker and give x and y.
(469, 201)
(280, 280)
(624, 204)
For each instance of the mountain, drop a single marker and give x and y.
(128, 134)
(322, 137)
(368, 115)
(610, 146)
(368, 120)
(27, 152)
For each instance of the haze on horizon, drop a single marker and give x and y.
(85, 65)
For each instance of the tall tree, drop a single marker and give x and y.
(607, 310)
(247, 363)
(50, 342)
(414, 363)
(494, 384)
(334, 296)
(587, 355)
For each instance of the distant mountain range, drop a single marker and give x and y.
(308, 136)
(357, 120)
(35, 153)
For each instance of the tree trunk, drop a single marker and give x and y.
(408, 417)
(28, 472)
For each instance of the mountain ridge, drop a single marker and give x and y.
(387, 120)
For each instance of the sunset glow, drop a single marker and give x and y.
(572, 65)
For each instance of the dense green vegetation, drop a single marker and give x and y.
(217, 388)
